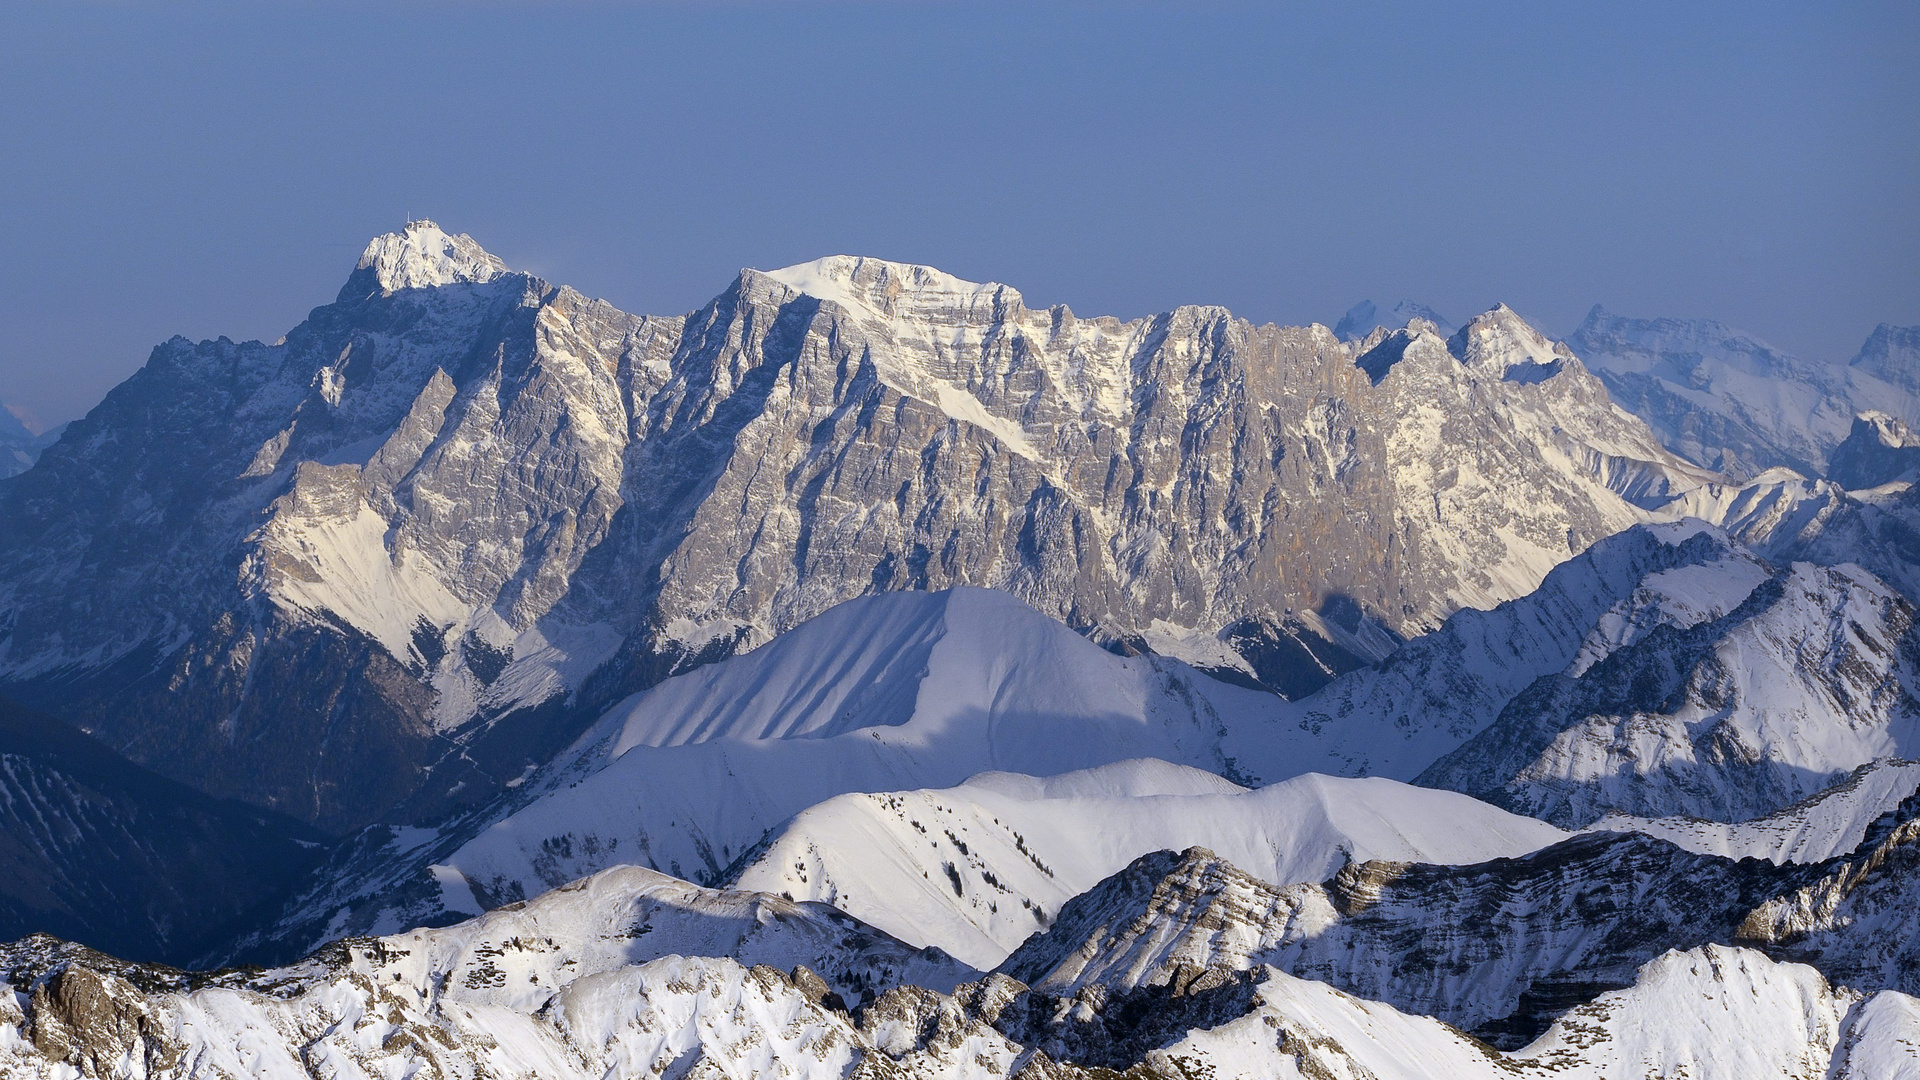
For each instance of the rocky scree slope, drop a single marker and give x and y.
(348, 571)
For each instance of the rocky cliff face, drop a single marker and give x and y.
(405, 552)
(1878, 450)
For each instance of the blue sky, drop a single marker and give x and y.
(207, 169)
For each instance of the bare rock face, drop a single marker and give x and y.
(1499, 948)
(1879, 449)
(383, 565)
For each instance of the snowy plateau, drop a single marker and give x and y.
(868, 676)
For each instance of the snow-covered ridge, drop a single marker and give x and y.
(877, 287)
(1831, 823)
(1729, 401)
(1500, 948)
(978, 868)
(1730, 718)
(571, 987)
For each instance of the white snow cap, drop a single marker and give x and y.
(422, 256)
(1886, 429)
(1500, 339)
(881, 287)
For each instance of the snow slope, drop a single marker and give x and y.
(1831, 823)
(1712, 1013)
(976, 869)
(1436, 691)
(620, 974)
(1728, 401)
(887, 693)
(903, 691)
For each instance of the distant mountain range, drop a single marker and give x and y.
(866, 676)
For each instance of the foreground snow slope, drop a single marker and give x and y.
(1712, 1013)
(620, 974)
(978, 868)
(574, 985)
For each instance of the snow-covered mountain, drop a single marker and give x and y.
(623, 974)
(1709, 1012)
(1823, 826)
(1891, 354)
(1364, 317)
(977, 869)
(1772, 699)
(1860, 921)
(1501, 948)
(903, 691)
(1880, 449)
(416, 546)
(890, 692)
(615, 976)
(1729, 401)
(20, 445)
(722, 695)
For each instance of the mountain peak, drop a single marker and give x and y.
(1892, 353)
(1881, 448)
(1500, 340)
(883, 288)
(420, 256)
(1363, 317)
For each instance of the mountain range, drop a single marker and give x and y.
(866, 675)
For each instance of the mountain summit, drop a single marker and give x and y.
(421, 256)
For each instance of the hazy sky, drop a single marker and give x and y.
(205, 170)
